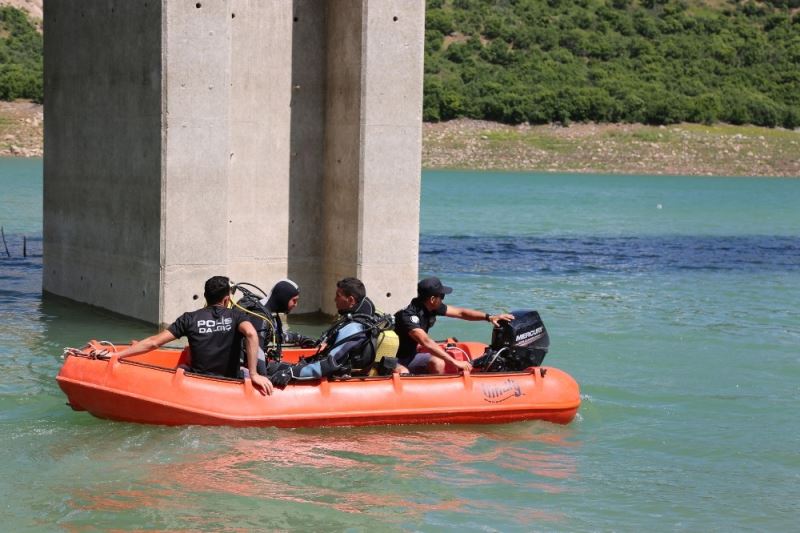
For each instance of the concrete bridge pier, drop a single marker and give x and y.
(254, 139)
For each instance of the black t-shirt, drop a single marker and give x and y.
(214, 339)
(416, 315)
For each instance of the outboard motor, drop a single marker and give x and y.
(516, 345)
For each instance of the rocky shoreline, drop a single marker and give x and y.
(21, 129)
(682, 149)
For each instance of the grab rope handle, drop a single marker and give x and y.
(108, 343)
(104, 354)
(456, 348)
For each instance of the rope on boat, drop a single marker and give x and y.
(108, 343)
(456, 348)
(93, 353)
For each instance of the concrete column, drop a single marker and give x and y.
(253, 139)
(307, 106)
(373, 147)
(196, 150)
(102, 158)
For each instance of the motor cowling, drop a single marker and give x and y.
(516, 345)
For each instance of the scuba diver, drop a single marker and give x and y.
(359, 342)
(264, 314)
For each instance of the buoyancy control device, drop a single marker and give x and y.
(516, 345)
(368, 349)
(254, 305)
(358, 352)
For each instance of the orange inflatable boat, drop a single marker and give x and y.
(150, 388)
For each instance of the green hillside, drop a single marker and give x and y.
(20, 57)
(643, 61)
(542, 61)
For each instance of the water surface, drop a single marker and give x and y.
(673, 301)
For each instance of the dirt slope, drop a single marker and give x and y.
(33, 7)
(21, 129)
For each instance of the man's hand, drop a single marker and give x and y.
(495, 319)
(260, 383)
(306, 342)
(462, 365)
(303, 341)
(282, 377)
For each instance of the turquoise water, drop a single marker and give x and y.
(672, 300)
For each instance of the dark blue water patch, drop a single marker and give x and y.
(20, 276)
(20, 269)
(626, 254)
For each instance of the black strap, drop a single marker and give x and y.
(278, 334)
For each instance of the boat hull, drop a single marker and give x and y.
(150, 389)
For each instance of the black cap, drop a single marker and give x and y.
(432, 287)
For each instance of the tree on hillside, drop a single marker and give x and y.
(21, 64)
(652, 61)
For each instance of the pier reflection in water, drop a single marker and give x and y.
(347, 477)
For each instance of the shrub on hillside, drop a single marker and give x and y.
(21, 71)
(652, 61)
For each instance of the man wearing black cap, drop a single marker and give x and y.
(413, 323)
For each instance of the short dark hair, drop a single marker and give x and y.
(216, 289)
(352, 287)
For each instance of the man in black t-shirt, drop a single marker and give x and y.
(214, 333)
(413, 323)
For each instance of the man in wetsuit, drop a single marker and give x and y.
(265, 313)
(413, 323)
(346, 335)
(346, 345)
(214, 333)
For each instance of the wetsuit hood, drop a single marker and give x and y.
(281, 293)
(364, 307)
